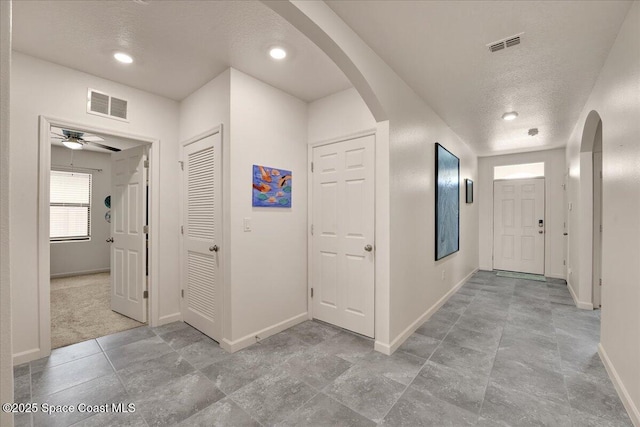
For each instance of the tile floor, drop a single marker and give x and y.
(500, 352)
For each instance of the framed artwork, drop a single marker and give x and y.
(271, 187)
(468, 184)
(447, 202)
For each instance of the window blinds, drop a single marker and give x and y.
(70, 206)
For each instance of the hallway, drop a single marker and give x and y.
(500, 352)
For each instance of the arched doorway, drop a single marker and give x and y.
(591, 203)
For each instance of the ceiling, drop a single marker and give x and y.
(177, 46)
(439, 49)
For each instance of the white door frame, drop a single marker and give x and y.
(44, 250)
(369, 132)
(224, 247)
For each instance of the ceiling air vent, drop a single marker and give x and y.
(504, 43)
(101, 104)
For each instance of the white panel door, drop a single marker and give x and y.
(518, 225)
(128, 238)
(202, 234)
(343, 234)
(597, 229)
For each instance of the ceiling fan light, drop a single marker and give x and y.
(74, 145)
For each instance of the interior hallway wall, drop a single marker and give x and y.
(554, 162)
(86, 256)
(43, 88)
(616, 98)
(415, 285)
(6, 353)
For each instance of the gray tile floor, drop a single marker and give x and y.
(500, 352)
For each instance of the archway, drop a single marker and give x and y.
(591, 208)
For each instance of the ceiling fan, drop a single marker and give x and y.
(77, 140)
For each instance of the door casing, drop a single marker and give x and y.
(44, 251)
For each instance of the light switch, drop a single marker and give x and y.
(247, 224)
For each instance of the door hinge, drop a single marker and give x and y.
(182, 293)
(182, 229)
(145, 229)
(311, 292)
(312, 229)
(600, 282)
(146, 163)
(601, 228)
(564, 262)
(145, 294)
(181, 164)
(311, 166)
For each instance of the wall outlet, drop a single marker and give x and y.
(444, 274)
(246, 224)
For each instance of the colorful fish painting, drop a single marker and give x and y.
(271, 187)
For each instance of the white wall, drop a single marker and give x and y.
(554, 162)
(338, 115)
(6, 362)
(616, 98)
(86, 256)
(265, 270)
(415, 284)
(268, 264)
(42, 88)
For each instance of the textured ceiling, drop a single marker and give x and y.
(439, 49)
(178, 46)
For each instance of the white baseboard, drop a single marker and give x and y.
(389, 349)
(80, 273)
(580, 304)
(556, 276)
(629, 405)
(246, 341)
(27, 356)
(169, 318)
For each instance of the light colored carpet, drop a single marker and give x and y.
(81, 310)
(526, 276)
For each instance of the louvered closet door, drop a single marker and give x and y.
(201, 303)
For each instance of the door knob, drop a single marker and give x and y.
(565, 234)
(540, 231)
(110, 240)
(213, 248)
(368, 248)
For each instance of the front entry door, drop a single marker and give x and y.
(202, 233)
(128, 236)
(343, 234)
(518, 225)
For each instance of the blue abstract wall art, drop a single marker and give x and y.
(447, 202)
(271, 187)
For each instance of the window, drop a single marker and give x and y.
(528, 170)
(70, 206)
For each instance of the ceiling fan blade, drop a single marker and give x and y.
(58, 137)
(106, 147)
(57, 134)
(92, 138)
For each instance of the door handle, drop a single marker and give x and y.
(213, 248)
(110, 240)
(540, 231)
(565, 234)
(368, 248)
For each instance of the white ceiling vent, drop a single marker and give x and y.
(504, 43)
(101, 104)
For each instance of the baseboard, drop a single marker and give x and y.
(629, 405)
(556, 276)
(246, 341)
(389, 349)
(169, 318)
(80, 273)
(27, 356)
(580, 304)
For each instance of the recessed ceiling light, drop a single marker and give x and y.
(533, 131)
(510, 115)
(123, 57)
(278, 53)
